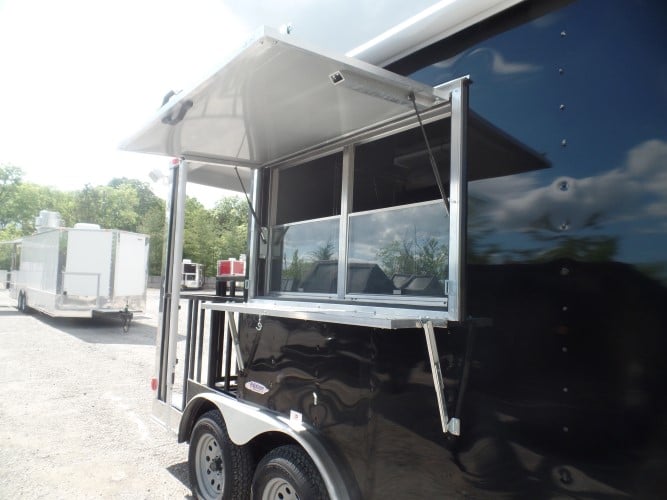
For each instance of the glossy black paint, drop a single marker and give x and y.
(566, 390)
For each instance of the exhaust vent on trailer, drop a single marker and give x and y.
(47, 220)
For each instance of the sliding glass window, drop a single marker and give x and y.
(304, 238)
(398, 240)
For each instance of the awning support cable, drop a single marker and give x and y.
(252, 210)
(434, 165)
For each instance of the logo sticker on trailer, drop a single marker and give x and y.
(256, 387)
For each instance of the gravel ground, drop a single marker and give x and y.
(75, 410)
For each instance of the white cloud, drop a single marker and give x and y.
(495, 60)
(637, 189)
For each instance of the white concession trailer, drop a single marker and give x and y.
(84, 271)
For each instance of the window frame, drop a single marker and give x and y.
(451, 306)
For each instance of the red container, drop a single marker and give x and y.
(231, 267)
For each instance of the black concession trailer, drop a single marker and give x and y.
(457, 268)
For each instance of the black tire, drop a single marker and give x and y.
(218, 468)
(21, 305)
(288, 473)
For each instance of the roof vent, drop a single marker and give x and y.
(86, 225)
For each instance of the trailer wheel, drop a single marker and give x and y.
(288, 473)
(21, 305)
(218, 468)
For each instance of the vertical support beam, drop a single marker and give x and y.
(200, 345)
(253, 244)
(458, 202)
(228, 358)
(345, 209)
(214, 338)
(176, 275)
(165, 287)
(190, 337)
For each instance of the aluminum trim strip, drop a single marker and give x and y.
(374, 317)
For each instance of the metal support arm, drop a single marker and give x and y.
(231, 324)
(451, 425)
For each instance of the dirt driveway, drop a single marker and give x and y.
(75, 410)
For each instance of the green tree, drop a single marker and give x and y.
(23, 205)
(414, 256)
(130, 205)
(324, 252)
(10, 177)
(153, 224)
(201, 235)
(7, 234)
(231, 216)
(112, 208)
(296, 267)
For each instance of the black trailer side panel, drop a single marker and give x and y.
(565, 396)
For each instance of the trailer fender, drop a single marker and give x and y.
(246, 422)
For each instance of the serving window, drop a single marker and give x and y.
(395, 224)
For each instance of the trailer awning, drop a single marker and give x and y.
(275, 99)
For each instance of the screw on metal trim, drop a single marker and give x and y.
(562, 107)
(565, 476)
(563, 34)
(563, 143)
(561, 71)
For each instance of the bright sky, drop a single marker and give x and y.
(78, 76)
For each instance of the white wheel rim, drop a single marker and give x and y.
(279, 489)
(210, 467)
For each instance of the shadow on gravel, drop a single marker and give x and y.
(102, 331)
(9, 312)
(180, 471)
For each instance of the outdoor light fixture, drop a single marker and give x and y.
(381, 89)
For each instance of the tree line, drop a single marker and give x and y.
(126, 204)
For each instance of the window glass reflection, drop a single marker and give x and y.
(305, 257)
(549, 82)
(396, 170)
(310, 190)
(399, 251)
